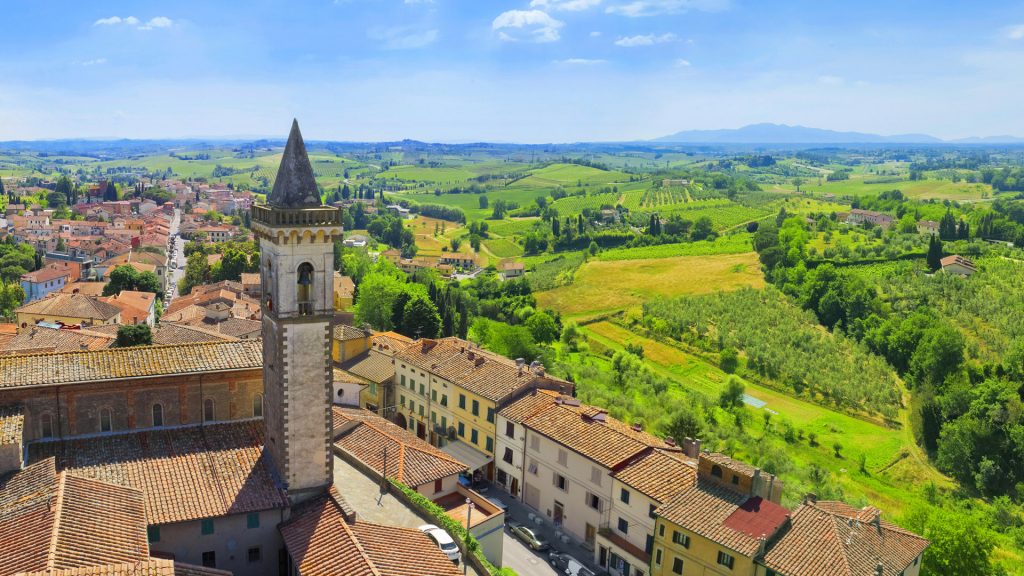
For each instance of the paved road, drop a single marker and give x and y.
(175, 274)
(523, 560)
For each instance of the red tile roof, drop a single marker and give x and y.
(185, 473)
(836, 538)
(417, 556)
(659, 474)
(709, 510)
(411, 461)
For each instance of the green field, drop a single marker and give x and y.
(919, 189)
(601, 287)
(731, 244)
(570, 175)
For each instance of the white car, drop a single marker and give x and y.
(443, 541)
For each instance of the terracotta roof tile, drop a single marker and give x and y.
(587, 430)
(417, 556)
(320, 541)
(659, 474)
(135, 362)
(185, 473)
(72, 306)
(371, 365)
(53, 340)
(835, 538)
(411, 460)
(12, 424)
(706, 509)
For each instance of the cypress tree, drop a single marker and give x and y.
(934, 253)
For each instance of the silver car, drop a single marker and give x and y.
(527, 536)
(568, 565)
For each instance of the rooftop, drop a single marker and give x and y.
(295, 186)
(371, 365)
(724, 516)
(184, 473)
(485, 373)
(410, 460)
(52, 520)
(835, 538)
(584, 429)
(77, 306)
(658, 473)
(134, 362)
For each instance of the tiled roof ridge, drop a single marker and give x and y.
(402, 445)
(129, 349)
(212, 463)
(885, 525)
(51, 554)
(833, 525)
(355, 541)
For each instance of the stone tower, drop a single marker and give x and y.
(296, 235)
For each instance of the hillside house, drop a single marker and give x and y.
(958, 265)
(858, 217)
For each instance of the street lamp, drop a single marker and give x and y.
(469, 517)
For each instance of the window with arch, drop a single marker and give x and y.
(106, 420)
(716, 471)
(257, 406)
(304, 288)
(46, 425)
(158, 415)
(209, 413)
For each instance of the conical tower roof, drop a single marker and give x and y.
(295, 186)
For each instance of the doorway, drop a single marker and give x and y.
(421, 430)
(559, 513)
(515, 487)
(590, 533)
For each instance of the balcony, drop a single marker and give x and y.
(625, 545)
(324, 216)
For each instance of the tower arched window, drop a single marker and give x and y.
(158, 415)
(106, 420)
(257, 406)
(304, 289)
(209, 413)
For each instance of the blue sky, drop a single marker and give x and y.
(510, 71)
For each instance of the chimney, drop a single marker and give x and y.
(520, 362)
(470, 355)
(479, 361)
(670, 441)
(533, 365)
(810, 498)
(879, 569)
(637, 427)
(691, 447)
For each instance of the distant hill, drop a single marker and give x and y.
(785, 134)
(1004, 139)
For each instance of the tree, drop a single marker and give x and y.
(702, 228)
(483, 202)
(732, 396)
(960, 543)
(556, 227)
(687, 422)
(934, 257)
(197, 272)
(798, 182)
(420, 318)
(947, 226)
(125, 277)
(542, 327)
(939, 353)
(728, 360)
(134, 335)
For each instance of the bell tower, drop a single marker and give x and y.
(296, 235)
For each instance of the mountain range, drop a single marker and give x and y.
(767, 133)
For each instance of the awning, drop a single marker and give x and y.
(471, 457)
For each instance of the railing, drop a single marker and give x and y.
(325, 216)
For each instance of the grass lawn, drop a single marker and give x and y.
(423, 229)
(569, 175)
(918, 189)
(606, 286)
(896, 468)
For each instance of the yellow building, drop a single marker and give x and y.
(368, 357)
(344, 292)
(449, 392)
(68, 310)
(721, 524)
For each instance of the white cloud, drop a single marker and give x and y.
(402, 37)
(580, 61)
(638, 8)
(158, 22)
(595, 34)
(683, 63)
(1015, 32)
(155, 22)
(533, 25)
(94, 62)
(564, 5)
(830, 80)
(645, 40)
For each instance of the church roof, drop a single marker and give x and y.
(295, 185)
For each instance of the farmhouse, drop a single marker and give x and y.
(927, 227)
(858, 216)
(512, 270)
(958, 265)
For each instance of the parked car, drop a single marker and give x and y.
(568, 565)
(443, 541)
(527, 536)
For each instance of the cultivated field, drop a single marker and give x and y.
(607, 286)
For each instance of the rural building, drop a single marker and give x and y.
(355, 241)
(251, 285)
(458, 260)
(958, 265)
(344, 292)
(927, 227)
(136, 307)
(512, 270)
(858, 217)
